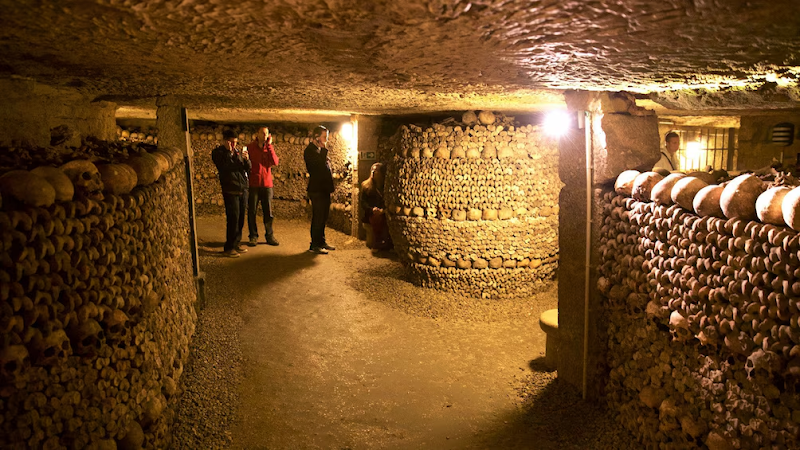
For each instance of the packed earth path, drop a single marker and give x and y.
(338, 351)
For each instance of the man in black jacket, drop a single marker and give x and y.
(320, 187)
(233, 167)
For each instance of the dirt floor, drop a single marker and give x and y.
(339, 351)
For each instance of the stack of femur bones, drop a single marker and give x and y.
(96, 296)
(475, 210)
(703, 313)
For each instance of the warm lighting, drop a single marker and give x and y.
(556, 123)
(347, 131)
(693, 150)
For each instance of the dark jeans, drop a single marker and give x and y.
(235, 205)
(320, 208)
(263, 195)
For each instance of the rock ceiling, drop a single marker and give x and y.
(384, 57)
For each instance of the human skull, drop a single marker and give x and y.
(13, 360)
(115, 325)
(23, 187)
(87, 337)
(85, 178)
(51, 349)
(117, 178)
(486, 117)
(761, 360)
(469, 118)
(65, 191)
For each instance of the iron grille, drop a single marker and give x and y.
(718, 148)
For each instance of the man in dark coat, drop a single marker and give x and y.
(320, 187)
(233, 167)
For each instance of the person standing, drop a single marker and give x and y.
(320, 187)
(262, 158)
(669, 158)
(233, 167)
(373, 205)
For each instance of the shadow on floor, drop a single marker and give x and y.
(552, 415)
(539, 365)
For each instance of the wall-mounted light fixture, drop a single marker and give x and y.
(349, 132)
(557, 123)
(693, 150)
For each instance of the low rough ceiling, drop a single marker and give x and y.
(383, 57)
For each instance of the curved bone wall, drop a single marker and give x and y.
(474, 210)
(703, 327)
(97, 313)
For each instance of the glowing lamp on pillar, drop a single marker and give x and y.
(557, 123)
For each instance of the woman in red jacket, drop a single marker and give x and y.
(263, 157)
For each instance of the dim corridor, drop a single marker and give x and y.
(296, 350)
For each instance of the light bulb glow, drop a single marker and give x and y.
(347, 131)
(693, 150)
(557, 123)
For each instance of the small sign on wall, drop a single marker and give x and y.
(366, 155)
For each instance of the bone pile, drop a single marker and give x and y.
(148, 136)
(290, 176)
(702, 310)
(97, 300)
(474, 210)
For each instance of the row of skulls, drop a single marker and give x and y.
(745, 197)
(83, 179)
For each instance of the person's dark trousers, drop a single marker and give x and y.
(235, 205)
(320, 208)
(258, 195)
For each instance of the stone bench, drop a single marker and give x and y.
(549, 323)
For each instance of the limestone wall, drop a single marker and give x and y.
(702, 327)
(35, 114)
(756, 149)
(475, 209)
(97, 313)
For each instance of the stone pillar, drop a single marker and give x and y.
(173, 131)
(34, 113)
(619, 137)
(173, 128)
(369, 128)
(572, 217)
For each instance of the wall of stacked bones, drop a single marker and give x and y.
(700, 280)
(96, 295)
(473, 208)
(290, 176)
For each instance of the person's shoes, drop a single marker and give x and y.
(241, 249)
(230, 253)
(253, 241)
(318, 250)
(272, 241)
(328, 247)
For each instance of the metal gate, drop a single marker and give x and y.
(707, 148)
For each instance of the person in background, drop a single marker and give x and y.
(320, 187)
(374, 218)
(262, 158)
(233, 167)
(669, 159)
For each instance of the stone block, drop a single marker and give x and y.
(631, 142)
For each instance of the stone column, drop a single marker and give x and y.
(369, 128)
(173, 131)
(619, 136)
(173, 128)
